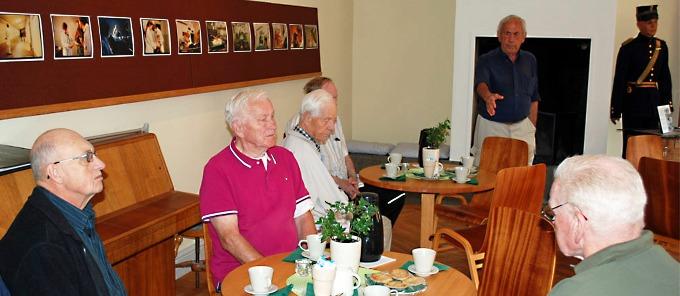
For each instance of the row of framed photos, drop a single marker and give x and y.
(21, 37)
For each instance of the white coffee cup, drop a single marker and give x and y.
(394, 158)
(468, 161)
(378, 290)
(392, 169)
(432, 169)
(461, 174)
(423, 259)
(322, 279)
(260, 278)
(315, 246)
(345, 281)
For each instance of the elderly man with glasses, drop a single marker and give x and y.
(597, 206)
(52, 247)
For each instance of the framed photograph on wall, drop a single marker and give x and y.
(188, 37)
(21, 37)
(72, 36)
(155, 37)
(116, 37)
(311, 37)
(241, 36)
(280, 36)
(218, 38)
(263, 40)
(296, 37)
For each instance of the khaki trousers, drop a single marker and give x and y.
(523, 130)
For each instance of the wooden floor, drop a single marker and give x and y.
(405, 238)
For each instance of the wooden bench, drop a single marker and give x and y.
(138, 212)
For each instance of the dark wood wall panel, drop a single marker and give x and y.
(27, 87)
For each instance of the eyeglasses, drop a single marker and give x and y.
(88, 156)
(549, 212)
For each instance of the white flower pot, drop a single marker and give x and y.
(347, 254)
(430, 155)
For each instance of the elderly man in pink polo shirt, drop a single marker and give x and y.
(252, 191)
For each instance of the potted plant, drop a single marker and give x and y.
(345, 224)
(431, 139)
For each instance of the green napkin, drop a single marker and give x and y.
(295, 255)
(473, 181)
(310, 290)
(283, 291)
(400, 178)
(441, 267)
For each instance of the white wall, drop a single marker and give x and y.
(401, 74)
(669, 30)
(545, 18)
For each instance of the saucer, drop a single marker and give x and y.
(466, 180)
(306, 255)
(412, 269)
(249, 290)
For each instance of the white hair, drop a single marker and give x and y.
(315, 101)
(511, 18)
(237, 105)
(608, 190)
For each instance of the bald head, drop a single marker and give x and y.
(46, 149)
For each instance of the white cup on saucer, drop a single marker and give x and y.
(432, 169)
(378, 290)
(392, 169)
(423, 260)
(260, 278)
(461, 174)
(315, 246)
(345, 281)
(468, 161)
(394, 158)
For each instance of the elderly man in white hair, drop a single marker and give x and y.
(597, 206)
(252, 192)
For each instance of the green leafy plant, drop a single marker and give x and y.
(437, 135)
(360, 215)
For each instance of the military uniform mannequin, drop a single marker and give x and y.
(642, 80)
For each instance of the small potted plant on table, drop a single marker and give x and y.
(431, 139)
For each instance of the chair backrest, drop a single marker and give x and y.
(521, 256)
(643, 145)
(662, 184)
(499, 153)
(207, 245)
(520, 188)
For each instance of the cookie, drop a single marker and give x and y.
(414, 281)
(399, 274)
(381, 277)
(399, 285)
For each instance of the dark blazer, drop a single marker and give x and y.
(42, 255)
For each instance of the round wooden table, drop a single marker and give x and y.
(428, 189)
(449, 282)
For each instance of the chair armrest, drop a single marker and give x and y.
(470, 255)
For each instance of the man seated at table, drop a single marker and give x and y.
(335, 157)
(317, 122)
(52, 247)
(252, 192)
(597, 205)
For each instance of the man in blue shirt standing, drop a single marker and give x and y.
(506, 82)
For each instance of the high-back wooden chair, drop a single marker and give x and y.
(520, 259)
(519, 188)
(641, 146)
(497, 153)
(662, 214)
(207, 244)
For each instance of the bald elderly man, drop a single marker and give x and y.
(52, 247)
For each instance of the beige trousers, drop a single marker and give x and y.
(523, 130)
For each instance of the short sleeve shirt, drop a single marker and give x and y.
(265, 201)
(517, 82)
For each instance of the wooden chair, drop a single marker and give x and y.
(207, 245)
(497, 154)
(521, 254)
(519, 188)
(643, 145)
(197, 265)
(662, 214)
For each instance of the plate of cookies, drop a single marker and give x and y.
(398, 279)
